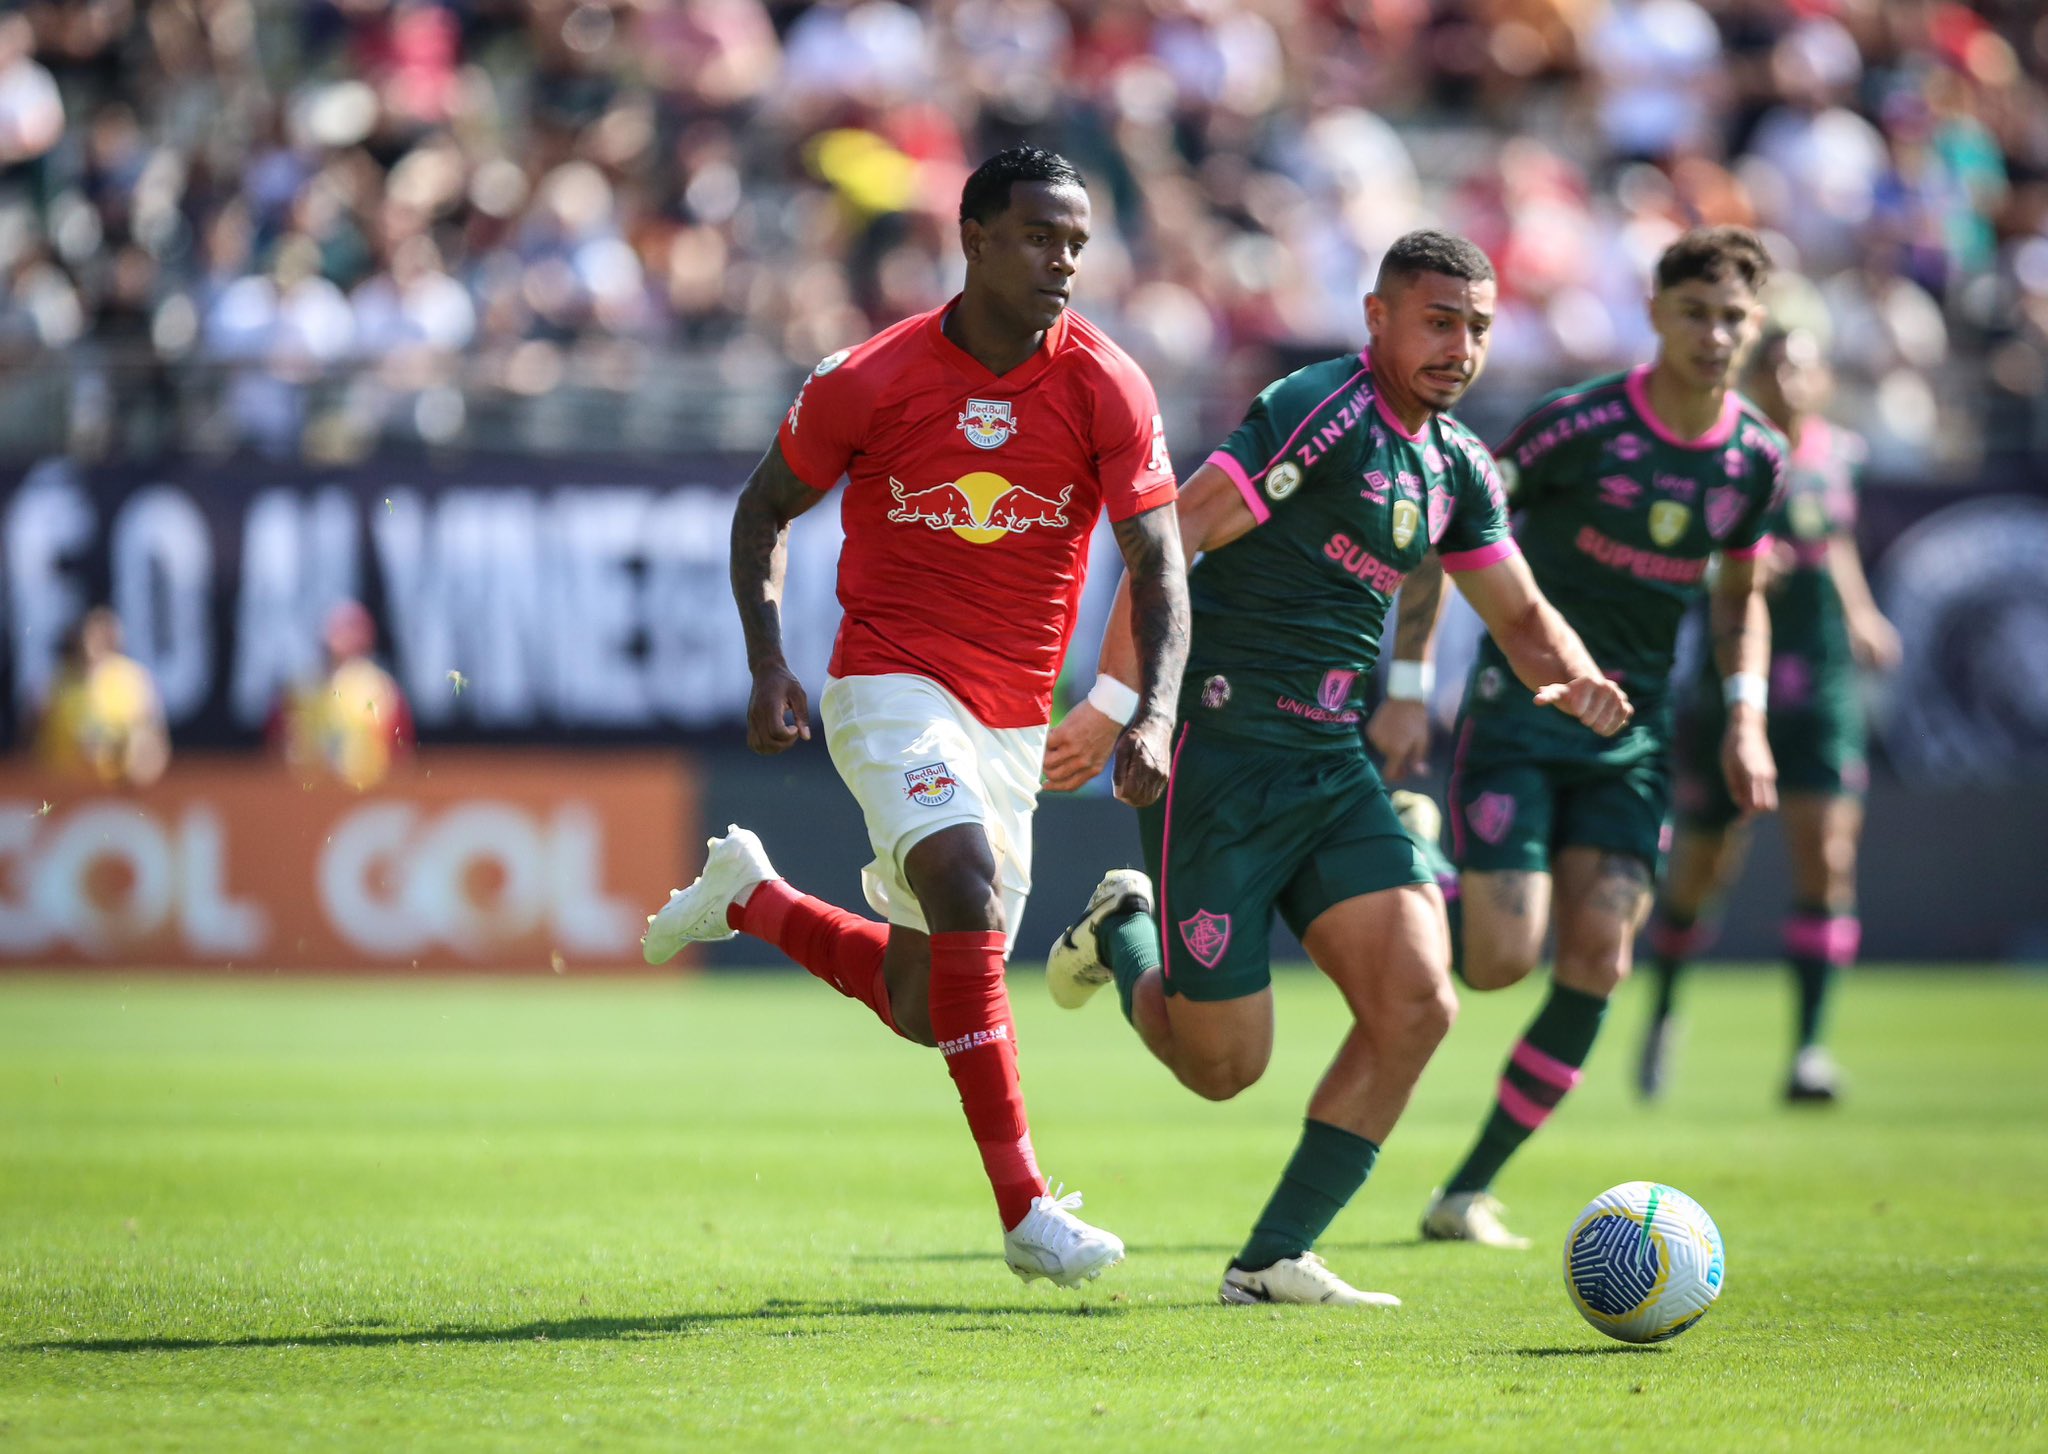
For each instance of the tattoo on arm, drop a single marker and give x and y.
(1739, 626)
(774, 496)
(1159, 603)
(1422, 597)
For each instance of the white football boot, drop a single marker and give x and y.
(1074, 969)
(1814, 1080)
(1473, 1216)
(1051, 1242)
(696, 915)
(1304, 1279)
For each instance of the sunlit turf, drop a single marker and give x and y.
(733, 1213)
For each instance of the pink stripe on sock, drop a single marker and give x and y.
(1546, 1067)
(1808, 936)
(1667, 941)
(1520, 1108)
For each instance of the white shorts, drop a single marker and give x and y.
(918, 761)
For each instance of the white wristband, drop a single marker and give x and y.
(1113, 700)
(1411, 681)
(1746, 687)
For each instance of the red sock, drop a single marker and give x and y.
(971, 1018)
(842, 949)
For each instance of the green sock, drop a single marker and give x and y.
(1542, 1067)
(1816, 977)
(1129, 944)
(1325, 1172)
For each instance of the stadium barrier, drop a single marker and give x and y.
(515, 862)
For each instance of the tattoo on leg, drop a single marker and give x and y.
(1509, 893)
(1621, 886)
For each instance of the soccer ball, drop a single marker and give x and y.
(1643, 1262)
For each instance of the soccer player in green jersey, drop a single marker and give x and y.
(1624, 488)
(1339, 481)
(1824, 624)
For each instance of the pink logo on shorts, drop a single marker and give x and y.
(1336, 688)
(1791, 682)
(931, 786)
(1491, 815)
(1206, 935)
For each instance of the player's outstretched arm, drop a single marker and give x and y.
(1210, 513)
(1399, 727)
(778, 712)
(1739, 623)
(1542, 647)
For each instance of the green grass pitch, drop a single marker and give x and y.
(733, 1213)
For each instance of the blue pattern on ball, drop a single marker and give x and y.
(1614, 1266)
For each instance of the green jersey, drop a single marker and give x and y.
(1807, 623)
(1287, 617)
(1619, 516)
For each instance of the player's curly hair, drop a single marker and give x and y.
(1427, 250)
(988, 191)
(1714, 253)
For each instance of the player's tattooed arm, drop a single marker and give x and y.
(1739, 625)
(778, 712)
(1399, 727)
(1158, 577)
(1209, 514)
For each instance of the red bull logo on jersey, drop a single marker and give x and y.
(1491, 815)
(1724, 508)
(1206, 935)
(988, 423)
(931, 786)
(980, 507)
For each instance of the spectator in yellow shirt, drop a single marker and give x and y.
(103, 721)
(352, 723)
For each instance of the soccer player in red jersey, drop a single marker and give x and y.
(980, 443)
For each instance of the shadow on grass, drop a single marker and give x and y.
(1147, 1249)
(1608, 1351)
(574, 1330)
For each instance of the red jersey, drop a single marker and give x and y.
(970, 500)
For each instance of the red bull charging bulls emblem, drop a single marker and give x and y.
(980, 507)
(931, 786)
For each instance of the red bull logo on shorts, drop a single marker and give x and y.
(931, 786)
(980, 507)
(1206, 935)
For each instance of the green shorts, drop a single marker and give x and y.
(1820, 746)
(1522, 787)
(1244, 829)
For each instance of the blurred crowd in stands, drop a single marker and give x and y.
(358, 218)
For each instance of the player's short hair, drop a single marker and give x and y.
(1427, 250)
(988, 191)
(1714, 253)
